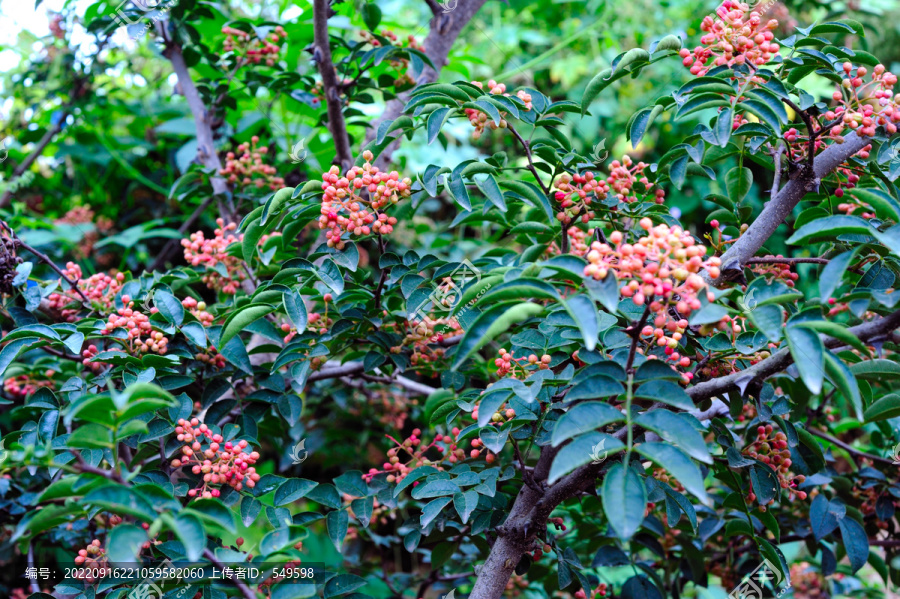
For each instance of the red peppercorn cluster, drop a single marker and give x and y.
(198, 309)
(89, 353)
(622, 179)
(26, 385)
(256, 50)
(776, 271)
(412, 446)
(245, 167)
(220, 463)
(864, 106)
(100, 289)
(56, 27)
(663, 265)
(499, 417)
(199, 251)
(344, 208)
(508, 366)
(773, 451)
(141, 337)
(807, 583)
(576, 194)
(83, 215)
(211, 357)
(420, 335)
(455, 453)
(479, 119)
(92, 562)
(600, 591)
(738, 36)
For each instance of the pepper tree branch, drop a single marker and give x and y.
(322, 55)
(532, 508)
(206, 151)
(850, 449)
(784, 202)
(443, 30)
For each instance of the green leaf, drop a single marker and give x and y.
(765, 483)
(678, 464)
(169, 306)
(809, 355)
(292, 490)
(189, 530)
(583, 418)
(828, 228)
(738, 181)
(842, 378)
(253, 233)
(436, 121)
(856, 542)
(531, 193)
(295, 308)
(583, 311)
(371, 15)
(491, 323)
(624, 500)
(592, 447)
(665, 391)
(435, 488)
(124, 542)
(876, 370)
(240, 319)
(595, 387)
(597, 84)
(465, 503)
(343, 584)
(884, 408)
(337, 523)
(121, 500)
(282, 538)
(836, 330)
(433, 510)
(90, 436)
(675, 428)
(457, 188)
(832, 274)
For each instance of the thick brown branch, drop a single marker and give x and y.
(784, 202)
(322, 55)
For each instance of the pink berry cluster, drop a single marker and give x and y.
(624, 177)
(92, 561)
(100, 288)
(412, 447)
(776, 271)
(738, 36)
(773, 451)
(199, 251)
(253, 51)
(576, 194)
(508, 366)
(420, 335)
(245, 167)
(479, 119)
(864, 106)
(410, 39)
(503, 414)
(344, 209)
(26, 385)
(83, 215)
(220, 462)
(663, 268)
(600, 591)
(141, 337)
(87, 355)
(198, 309)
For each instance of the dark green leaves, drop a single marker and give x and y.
(808, 352)
(491, 323)
(584, 418)
(624, 500)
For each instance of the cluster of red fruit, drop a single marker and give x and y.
(92, 562)
(776, 271)
(622, 179)
(253, 51)
(806, 582)
(198, 309)
(245, 167)
(26, 385)
(869, 104)
(344, 209)
(420, 335)
(56, 27)
(479, 119)
(737, 37)
(575, 195)
(662, 267)
(455, 453)
(600, 591)
(141, 337)
(211, 357)
(100, 289)
(412, 446)
(499, 417)
(509, 366)
(773, 451)
(220, 463)
(86, 356)
(199, 251)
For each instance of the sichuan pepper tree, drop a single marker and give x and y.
(602, 387)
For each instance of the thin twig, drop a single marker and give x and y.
(774, 260)
(846, 447)
(45, 259)
(243, 588)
